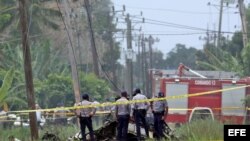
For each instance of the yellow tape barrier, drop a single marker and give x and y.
(133, 101)
(4, 118)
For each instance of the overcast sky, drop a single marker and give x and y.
(162, 15)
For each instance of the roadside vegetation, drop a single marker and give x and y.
(200, 130)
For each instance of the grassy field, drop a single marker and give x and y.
(203, 130)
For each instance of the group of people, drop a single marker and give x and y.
(126, 111)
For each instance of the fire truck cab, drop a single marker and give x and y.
(226, 105)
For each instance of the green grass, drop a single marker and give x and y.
(63, 132)
(203, 130)
(20, 133)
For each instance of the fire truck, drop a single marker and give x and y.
(223, 105)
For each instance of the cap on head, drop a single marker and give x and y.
(124, 94)
(137, 90)
(160, 94)
(85, 96)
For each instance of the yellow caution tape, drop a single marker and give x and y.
(133, 101)
(3, 118)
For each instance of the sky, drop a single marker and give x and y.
(161, 15)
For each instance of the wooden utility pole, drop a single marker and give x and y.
(111, 45)
(220, 23)
(143, 63)
(242, 10)
(139, 60)
(92, 38)
(23, 8)
(150, 43)
(71, 53)
(129, 57)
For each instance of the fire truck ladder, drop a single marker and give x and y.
(182, 67)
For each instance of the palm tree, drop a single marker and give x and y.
(220, 60)
(40, 16)
(45, 61)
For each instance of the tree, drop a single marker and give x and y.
(45, 60)
(158, 60)
(40, 16)
(220, 60)
(58, 89)
(181, 54)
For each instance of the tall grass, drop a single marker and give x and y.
(201, 130)
(63, 132)
(20, 133)
(23, 133)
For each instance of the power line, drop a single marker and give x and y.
(169, 10)
(168, 24)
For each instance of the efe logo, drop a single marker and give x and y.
(236, 132)
(239, 132)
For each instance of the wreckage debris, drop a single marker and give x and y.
(108, 133)
(50, 137)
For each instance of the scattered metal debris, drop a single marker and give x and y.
(50, 137)
(108, 131)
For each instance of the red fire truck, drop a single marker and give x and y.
(225, 105)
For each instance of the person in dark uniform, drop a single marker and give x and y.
(85, 115)
(160, 111)
(139, 113)
(122, 112)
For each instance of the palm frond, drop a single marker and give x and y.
(6, 85)
(206, 65)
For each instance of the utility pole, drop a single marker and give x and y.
(143, 62)
(150, 43)
(129, 57)
(220, 22)
(111, 45)
(72, 59)
(24, 15)
(242, 10)
(76, 18)
(92, 38)
(139, 60)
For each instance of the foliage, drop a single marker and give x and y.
(4, 20)
(50, 68)
(20, 133)
(111, 56)
(97, 88)
(158, 60)
(7, 82)
(39, 15)
(231, 56)
(218, 59)
(245, 58)
(181, 54)
(235, 45)
(44, 61)
(246, 102)
(194, 131)
(57, 88)
(101, 22)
